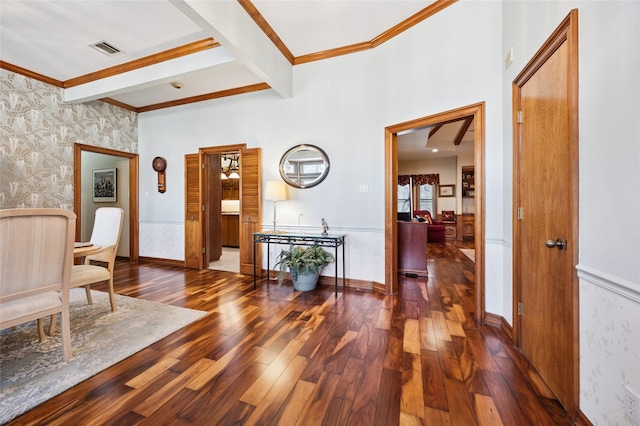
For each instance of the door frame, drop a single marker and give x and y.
(567, 32)
(391, 194)
(204, 189)
(134, 237)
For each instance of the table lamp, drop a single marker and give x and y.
(277, 191)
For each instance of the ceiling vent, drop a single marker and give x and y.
(106, 48)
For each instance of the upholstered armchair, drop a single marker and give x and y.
(36, 255)
(435, 228)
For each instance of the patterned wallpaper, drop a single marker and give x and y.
(37, 133)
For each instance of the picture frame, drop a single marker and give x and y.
(446, 191)
(105, 186)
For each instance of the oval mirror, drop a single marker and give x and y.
(304, 166)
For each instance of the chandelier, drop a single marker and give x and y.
(230, 166)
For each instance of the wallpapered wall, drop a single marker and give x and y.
(38, 131)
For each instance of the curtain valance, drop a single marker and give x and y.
(431, 179)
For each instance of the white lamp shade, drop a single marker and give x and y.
(276, 190)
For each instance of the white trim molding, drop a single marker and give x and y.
(618, 285)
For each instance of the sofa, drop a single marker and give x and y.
(435, 228)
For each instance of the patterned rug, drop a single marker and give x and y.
(32, 372)
(470, 253)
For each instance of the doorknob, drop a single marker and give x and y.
(559, 243)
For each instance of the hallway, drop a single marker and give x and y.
(284, 357)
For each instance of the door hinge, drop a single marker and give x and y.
(203, 251)
(519, 308)
(203, 207)
(519, 117)
(202, 166)
(520, 213)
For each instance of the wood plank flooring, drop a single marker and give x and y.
(272, 356)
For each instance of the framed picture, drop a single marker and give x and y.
(104, 186)
(446, 190)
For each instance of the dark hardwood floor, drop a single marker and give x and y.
(273, 356)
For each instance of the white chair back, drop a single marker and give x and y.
(107, 228)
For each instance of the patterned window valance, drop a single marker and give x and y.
(432, 179)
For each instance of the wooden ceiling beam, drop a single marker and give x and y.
(435, 129)
(463, 130)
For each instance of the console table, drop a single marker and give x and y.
(292, 239)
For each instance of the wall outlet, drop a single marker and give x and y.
(632, 405)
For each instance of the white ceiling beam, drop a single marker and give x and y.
(141, 78)
(230, 25)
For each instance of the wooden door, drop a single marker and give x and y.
(545, 220)
(212, 206)
(250, 207)
(193, 238)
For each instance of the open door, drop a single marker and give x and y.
(250, 207)
(212, 206)
(203, 188)
(193, 237)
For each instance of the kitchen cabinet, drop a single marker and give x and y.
(230, 230)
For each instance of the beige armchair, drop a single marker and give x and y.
(36, 255)
(106, 234)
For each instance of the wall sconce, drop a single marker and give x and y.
(160, 165)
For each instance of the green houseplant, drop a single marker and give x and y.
(304, 265)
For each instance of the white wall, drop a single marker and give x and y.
(609, 268)
(342, 105)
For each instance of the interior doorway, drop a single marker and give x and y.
(391, 201)
(203, 193)
(133, 192)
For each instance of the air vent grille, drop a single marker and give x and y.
(106, 48)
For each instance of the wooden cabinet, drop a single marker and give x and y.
(468, 182)
(230, 230)
(231, 189)
(450, 231)
(412, 247)
(468, 226)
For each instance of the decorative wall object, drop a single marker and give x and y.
(105, 186)
(37, 133)
(446, 191)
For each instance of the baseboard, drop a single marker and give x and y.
(582, 420)
(498, 321)
(352, 284)
(160, 261)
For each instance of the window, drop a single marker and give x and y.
(426, 199)
(404, 198)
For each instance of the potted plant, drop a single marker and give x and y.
(305, 264)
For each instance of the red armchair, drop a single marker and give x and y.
(435, 228)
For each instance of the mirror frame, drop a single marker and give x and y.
(299, 148)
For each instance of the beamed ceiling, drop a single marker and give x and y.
(207, 49)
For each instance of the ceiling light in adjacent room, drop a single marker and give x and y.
(176, 85)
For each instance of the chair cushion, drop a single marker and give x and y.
(15, 309)
(88, 274)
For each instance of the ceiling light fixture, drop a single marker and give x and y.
(176, 85)
(434, 150)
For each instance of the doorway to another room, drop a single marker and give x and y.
(471, 233)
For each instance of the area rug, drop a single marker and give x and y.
(470, 253)
(32, 372)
